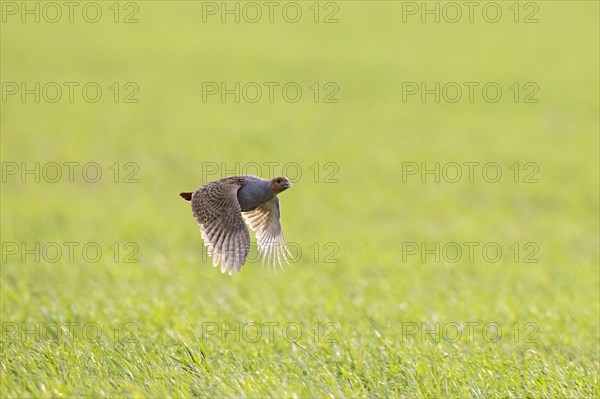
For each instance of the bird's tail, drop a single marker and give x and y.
(186, 196)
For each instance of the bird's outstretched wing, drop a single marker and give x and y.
(215, 206)
(269, 236)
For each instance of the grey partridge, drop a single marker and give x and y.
(219, 206)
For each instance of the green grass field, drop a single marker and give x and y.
(397, 288)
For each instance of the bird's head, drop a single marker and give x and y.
(280, 184)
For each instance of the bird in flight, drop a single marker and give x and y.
(221, 206)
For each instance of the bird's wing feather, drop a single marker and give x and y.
(269, 236)
(215, 206)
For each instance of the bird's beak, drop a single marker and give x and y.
(287, 184)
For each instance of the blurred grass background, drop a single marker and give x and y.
(370, 292)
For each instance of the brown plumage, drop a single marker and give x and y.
(218, 207)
